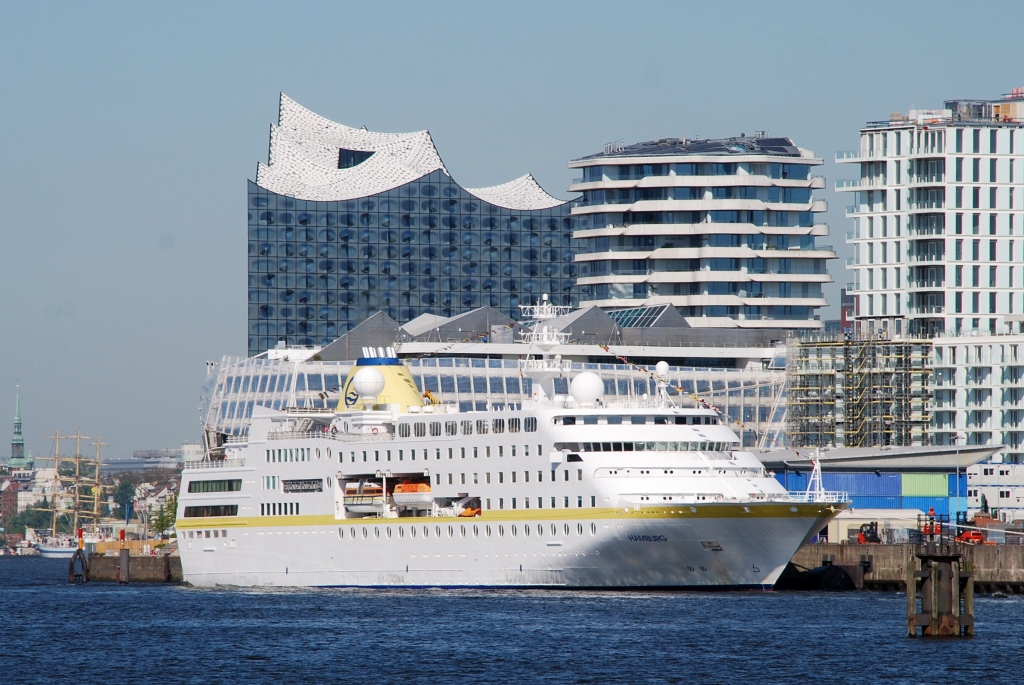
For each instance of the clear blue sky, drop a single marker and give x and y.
(129, 130)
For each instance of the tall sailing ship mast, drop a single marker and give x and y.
(73, 486)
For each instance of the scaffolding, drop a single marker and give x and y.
(846, 391)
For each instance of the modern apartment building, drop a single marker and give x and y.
(938, 234)
(724, 230)
(977, 386)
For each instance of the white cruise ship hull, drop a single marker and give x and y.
(560, 492)
(721, 546)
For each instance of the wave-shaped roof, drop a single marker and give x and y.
(305, 149)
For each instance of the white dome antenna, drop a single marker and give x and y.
(587, 389)
(368, 382)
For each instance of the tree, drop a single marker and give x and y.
(30, 518)
(165, 516)
(124, 495)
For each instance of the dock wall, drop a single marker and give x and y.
(144, 569)
(997, 568)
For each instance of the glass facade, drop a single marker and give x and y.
(749, 396)
(318, 269)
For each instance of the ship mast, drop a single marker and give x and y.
(57, 482)
(96, 490)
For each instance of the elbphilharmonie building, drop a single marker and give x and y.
(345, 223)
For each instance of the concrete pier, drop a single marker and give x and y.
(996, 568)
(144, 569)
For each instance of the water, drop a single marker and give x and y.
(53, 632)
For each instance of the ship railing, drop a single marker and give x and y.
(329, 435)
(214, 464)
(236, 439)
(829, 496)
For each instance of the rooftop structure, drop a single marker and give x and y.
(345, 222)
(722, 230)
(937, 226)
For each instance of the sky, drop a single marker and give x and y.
(128, 131)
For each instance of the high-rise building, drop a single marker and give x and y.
(345, 222)
(724, 230)
(938, 234)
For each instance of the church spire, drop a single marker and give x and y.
(18, 441)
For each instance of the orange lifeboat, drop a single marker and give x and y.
(412, 495)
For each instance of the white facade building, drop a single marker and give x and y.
(938, 229)
(724, 230)
(1002, 486)
(978, 394)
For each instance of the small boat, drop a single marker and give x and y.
(364, 497)
(60, 549)
(413, 495)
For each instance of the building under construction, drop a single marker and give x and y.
(857, 392)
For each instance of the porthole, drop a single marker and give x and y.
(412, 531)
(401, 531)
(693, 510)
(352, 532)
(566, 529)
(388, 531)
(462, 531)
(451, 531)
(793, 509)
(501, 531)
(476, 531)
(317, 452)
(540, 529)
(554, 530)
(426, 531)
(376, 532)
(487, 530)
(526, 528)
(341, 533)
(593, 529)
(364, 532)
(579, 529)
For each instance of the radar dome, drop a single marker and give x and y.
(368, 382)
(586, 388)
(661, 368)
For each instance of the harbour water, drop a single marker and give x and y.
(100, 632)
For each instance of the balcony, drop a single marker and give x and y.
(926, 283)
(926, 230)
(927, 309)
(927, 256)
(848, 156)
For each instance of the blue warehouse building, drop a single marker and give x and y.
(346, 222)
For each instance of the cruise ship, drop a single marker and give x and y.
(394, 487)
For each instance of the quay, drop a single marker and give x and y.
(162, 568)
(996, 568)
